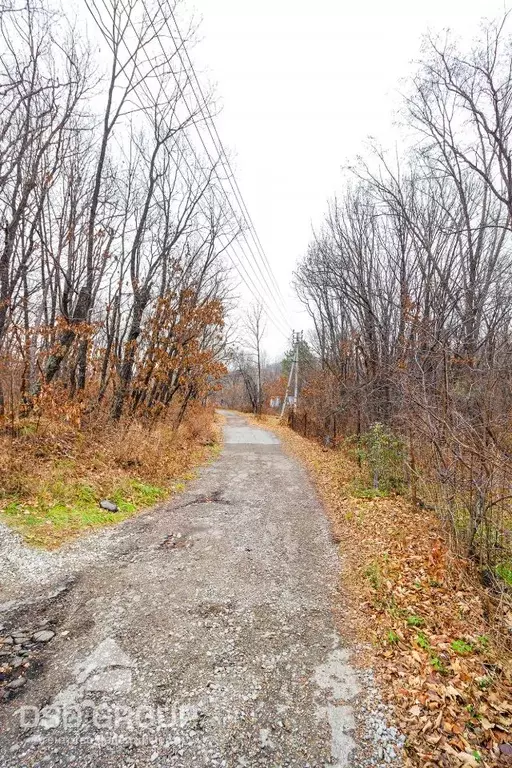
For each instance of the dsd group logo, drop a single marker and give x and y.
(91, 705)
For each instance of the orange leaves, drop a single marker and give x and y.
(177, 351)
(422, 612)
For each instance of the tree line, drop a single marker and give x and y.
(112, 283)
(408, 283)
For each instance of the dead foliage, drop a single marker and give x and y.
(53, 475)
(430, 626)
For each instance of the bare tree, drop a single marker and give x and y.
(254, 327)
(113, 288)
(408, 283)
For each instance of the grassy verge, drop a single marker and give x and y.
(53, 477)
(427, 622)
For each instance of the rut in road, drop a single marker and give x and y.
(200, 633)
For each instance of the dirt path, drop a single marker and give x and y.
(198, 634)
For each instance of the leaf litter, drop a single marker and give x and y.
(423, 616)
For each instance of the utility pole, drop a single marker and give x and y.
(285, 400)
(298, 339)
(294, 373)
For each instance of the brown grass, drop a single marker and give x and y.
(52, 476)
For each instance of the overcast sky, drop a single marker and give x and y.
(301, 86)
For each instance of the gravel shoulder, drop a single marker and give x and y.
(199, 633)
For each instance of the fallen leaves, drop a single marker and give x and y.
(424, 615)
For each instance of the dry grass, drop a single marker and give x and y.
(425, 618)
(53, 476)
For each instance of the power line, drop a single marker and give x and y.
(202, 105)
(231, 177)
(245, 277)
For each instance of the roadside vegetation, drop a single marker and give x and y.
(408, 282)
(404, 397)
(113, 288)
(52, 478)
(437, 639)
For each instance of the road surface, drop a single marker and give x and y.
(200, 633)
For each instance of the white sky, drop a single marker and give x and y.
(301, 86)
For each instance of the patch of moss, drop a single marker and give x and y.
(504, 571)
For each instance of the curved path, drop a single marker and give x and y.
(200, 633)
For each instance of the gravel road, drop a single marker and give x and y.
(201, 633)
